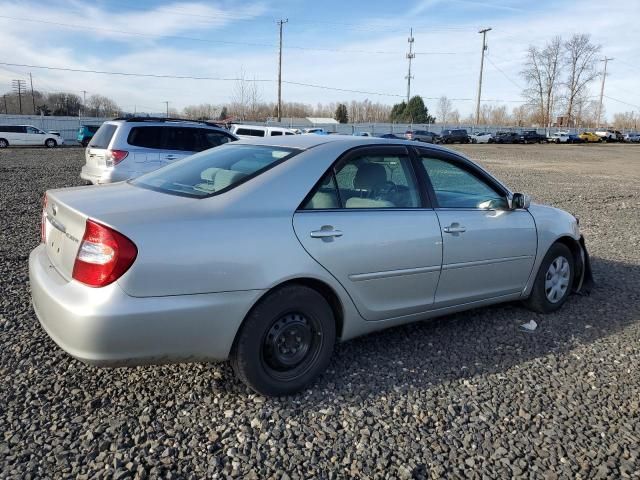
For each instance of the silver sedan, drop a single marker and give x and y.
(268, 251)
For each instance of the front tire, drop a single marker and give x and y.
(3, 143)
(50, 143)
(285, 342)
(554, 280)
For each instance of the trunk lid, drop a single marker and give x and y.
(120, 206)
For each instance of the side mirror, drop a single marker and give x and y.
(519, 201)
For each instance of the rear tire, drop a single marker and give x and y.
(3, 143)
(554, 280)
(285, 342)
(50, 143)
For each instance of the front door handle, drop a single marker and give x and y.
(327, 231)
(455, 228)
(171, 157)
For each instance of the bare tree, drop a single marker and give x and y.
(580, 60)
(625, 120)
(240, 97)
(455, 117)
(443, 109)
(542, 73)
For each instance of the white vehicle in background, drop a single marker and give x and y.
(482, 137)
(251, 131)
(125, 148)
(560, 137)
(316, 130)
(632, 137)
(28, 135)
(607, 135)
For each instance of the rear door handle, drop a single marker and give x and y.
(326, 231)
(171, 157)
(455, 228)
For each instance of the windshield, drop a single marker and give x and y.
(215, 170)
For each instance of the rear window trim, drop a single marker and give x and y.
(292, 153)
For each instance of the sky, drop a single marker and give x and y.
(357, 45)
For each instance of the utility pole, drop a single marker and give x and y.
(167, 103)
(410, 56)
(19, 86)
(604, 76)
(33, 98)
(484, 48)
(280, 24)
(84, 103)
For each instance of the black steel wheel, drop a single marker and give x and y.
(285, 342)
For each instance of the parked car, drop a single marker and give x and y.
(317, 131)
(590, 137)
(454, 136)
(573, 138)
(482, 137)
(507, 137)
(532, 136)
(609, 135)
(362, 134)
(86, 133)
(125, 148)
(28, 135)
(632, 137)
(560, 137)
(390, 135)
(266, 252)
(422, 136)
(249, 131)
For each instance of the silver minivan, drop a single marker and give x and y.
(126, 148)
(28, 135)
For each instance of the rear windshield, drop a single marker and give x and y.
(103, 136)
(214, 171)
(250, 132)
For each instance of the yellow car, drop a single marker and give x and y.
(590, 137)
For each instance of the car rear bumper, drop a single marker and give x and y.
(107, 327)
(97, 175)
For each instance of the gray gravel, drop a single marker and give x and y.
(469, 395)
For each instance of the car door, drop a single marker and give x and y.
(178, 143)
(488, 249)
(35, 136)
(368, 224)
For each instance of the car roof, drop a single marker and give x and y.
(306, 141)
(163, 123)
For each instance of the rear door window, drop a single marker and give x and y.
(180, 138)
(275, 133)
(103, 136)
(145, 137)
(211, 138)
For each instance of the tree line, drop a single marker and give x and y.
(59, 103)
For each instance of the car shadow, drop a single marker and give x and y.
(484, 341)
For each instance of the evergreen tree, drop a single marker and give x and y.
(341, 113)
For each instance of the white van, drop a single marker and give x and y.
(250, 131)
(28, 135)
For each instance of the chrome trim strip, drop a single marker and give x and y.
(453, 266)
(360, 277)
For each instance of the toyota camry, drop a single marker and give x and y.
(266, 252)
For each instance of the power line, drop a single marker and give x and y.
(622, 101)
(503, 73)
(190, 77)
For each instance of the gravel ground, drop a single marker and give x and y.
(468, 395)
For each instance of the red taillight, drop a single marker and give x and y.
(104, 256)
(43, 221)
(117, 156)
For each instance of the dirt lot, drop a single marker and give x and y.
(469, 395)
